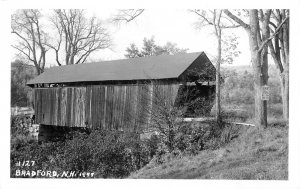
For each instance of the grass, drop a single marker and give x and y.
(245, 113)
(253, 155)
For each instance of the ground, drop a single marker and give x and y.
(253, 155)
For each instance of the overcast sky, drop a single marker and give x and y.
(174, 25)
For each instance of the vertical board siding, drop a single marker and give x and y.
(128, 113)
(93, 106)
(115, 108)
(58, 111)
(68, 107)
(126, 107)
(109, 107)
(63, 107)
(100, 121)
(87, 104)
(102, 107)
(134, 113)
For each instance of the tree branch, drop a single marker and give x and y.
(23, 52)
(273, 35)
(127, 15)
(25, 40)
(236, 19)
(276, 60)
(202, 16)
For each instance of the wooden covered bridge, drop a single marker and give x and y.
(114, 94)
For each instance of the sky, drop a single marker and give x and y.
(165, 25)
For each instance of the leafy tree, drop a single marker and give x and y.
(229, 48)
(133, 51)
(238, 86)
(20, 74)
(149, 48)
(215, 19)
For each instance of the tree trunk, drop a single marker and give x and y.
(218, 33)
(38, 71)
(259, 58)
(71, 59)
(264, 62)
(218, 102)
(259, 65)
(260, 105)
(285, 95)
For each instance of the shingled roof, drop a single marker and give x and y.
(152, 67)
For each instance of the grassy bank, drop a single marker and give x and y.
(250, 156)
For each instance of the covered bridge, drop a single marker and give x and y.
(114, 94)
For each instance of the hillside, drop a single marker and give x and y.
(250, 156)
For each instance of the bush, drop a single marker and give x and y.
(192, 138)
(197, 136)
(115, 154)
(109, 154)
(20, 124)
(20, 131)
(104, 153)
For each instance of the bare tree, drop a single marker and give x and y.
(79, 35)
(215, 19)
(279, 49)
(259, 36)
(25, 24)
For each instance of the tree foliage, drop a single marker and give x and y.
(230, 48)
(216, 19)
(238, 86)
(150, 48)
(20, 74)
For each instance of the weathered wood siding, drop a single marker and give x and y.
(100, 106)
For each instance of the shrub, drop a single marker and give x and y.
(192, 138)
(20, 124)
(20, 131)
(109, 154)
(115, 154)
(104, 152)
